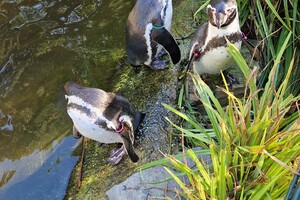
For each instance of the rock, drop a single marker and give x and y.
(140, 185)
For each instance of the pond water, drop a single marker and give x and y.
(43, 45)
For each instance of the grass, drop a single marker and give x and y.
(254, 141)
(272, 22)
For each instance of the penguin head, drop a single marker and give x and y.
(127, 134)
(126, 128)
(129, 126)
(222, 12)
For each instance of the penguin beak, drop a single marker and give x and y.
(128, 146)
(128, 139)
(224, 16)
(217, 16)
(219, 19)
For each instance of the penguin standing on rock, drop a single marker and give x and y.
(208, 46)
(104, 117)
(147, 33)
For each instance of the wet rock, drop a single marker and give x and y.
(140, 185)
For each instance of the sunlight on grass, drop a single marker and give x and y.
(253, 141)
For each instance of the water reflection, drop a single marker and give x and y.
(43, 44)
(24, 178)
(8, 124)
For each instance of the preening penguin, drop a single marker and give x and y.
(208, 46)
(147, 32)
(104, 117)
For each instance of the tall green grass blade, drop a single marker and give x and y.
(180, 97)
(222, 177)
(205, 98)
(200, 167)
(166, 161)
(181, 184)
(201, 8)
(192, 135)
(277, 15)
(185, 117)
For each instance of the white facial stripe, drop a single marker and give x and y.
(227, 7)
(78, 101)
(168, 17)
(148, 43)
(209, 6)
(126, 119)
(162, 14)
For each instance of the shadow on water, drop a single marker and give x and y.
(43, 44)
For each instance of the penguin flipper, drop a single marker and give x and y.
(198, 39)
(163, 37)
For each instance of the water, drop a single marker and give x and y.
(44, 44)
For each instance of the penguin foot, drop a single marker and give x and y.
(161, 54)
(159, 64)
(230, 79)
(116, 156)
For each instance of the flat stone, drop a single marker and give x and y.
(139, 187)
(143, 185)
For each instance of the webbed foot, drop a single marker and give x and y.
(161, 54)
(159, 64)
(116, 155)
(230, 79)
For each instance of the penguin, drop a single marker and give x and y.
(103, 116)
(147, 34)
(208, 46)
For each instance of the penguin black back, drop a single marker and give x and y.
(112, 104)
(147, 32)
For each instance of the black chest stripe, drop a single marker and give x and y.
(82, 109)
(90, 114)
(220, 41)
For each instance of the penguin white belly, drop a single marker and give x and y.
(215, 60)
(87, 127)
(167, 20)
